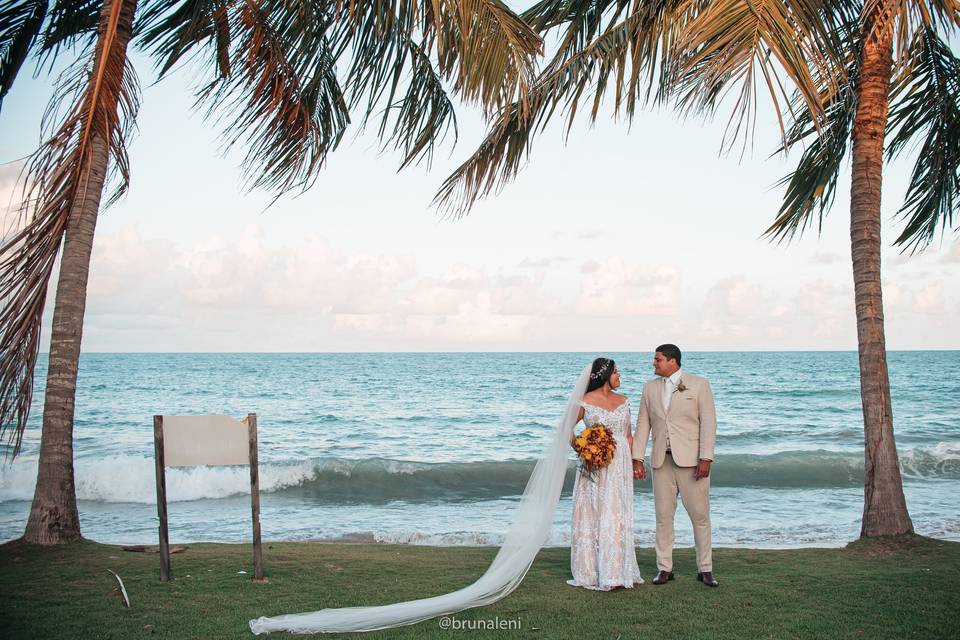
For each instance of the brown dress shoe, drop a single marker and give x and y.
(663, 577)
(706, 577)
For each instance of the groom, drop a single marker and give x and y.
(678, 409)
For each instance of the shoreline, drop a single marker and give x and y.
(371, 542)
(361, 539)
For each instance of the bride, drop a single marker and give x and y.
(527, 533)
(602, 556)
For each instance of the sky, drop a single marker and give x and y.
(618, 238)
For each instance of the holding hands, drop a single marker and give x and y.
(702, 470)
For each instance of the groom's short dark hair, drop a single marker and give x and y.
(670, 352)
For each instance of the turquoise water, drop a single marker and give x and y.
(436, 448)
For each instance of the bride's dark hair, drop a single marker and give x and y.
(600, 373)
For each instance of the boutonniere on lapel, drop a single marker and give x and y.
(681, 386)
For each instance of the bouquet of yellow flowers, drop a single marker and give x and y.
(595, 446)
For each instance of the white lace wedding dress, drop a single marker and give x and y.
(602, 555)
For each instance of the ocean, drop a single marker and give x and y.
(435, 448)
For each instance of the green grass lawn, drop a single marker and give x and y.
(903, 588)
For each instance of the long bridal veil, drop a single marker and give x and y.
(523, 540)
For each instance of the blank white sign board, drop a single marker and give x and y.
(195, 440)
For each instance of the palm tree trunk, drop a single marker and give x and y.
(54, 518)
(885, 508)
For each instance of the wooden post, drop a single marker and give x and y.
(161, 498)
(255, 496)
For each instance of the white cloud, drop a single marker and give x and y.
(617, 288)
(544, 263)
(475, 321)
(578, 234)
(953, 254)
(930, 299)
(11, 191)
(826, 258)
(822, 298)
(242, 291)
(902, 298)
(246, 272)
(733, 308)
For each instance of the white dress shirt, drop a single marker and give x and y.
(669, 386)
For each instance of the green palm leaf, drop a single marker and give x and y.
(811, 187)
(926, 106)
(20, 23)
(422, 116)
(70, 21)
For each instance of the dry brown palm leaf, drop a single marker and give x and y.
(99, 96)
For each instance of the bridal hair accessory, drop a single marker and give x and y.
(600, 371)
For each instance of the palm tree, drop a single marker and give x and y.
(903, 85)
(284, 77)
(839, 58)
(68, 175)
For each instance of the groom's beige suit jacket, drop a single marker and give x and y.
(691, 422)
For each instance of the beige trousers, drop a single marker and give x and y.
(668, 482)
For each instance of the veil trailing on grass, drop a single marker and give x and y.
(523, 540)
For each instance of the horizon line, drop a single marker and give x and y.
(501, 351)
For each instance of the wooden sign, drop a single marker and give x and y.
(181, 441)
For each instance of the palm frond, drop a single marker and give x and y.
(479, 46)
(423, 116)
(908, 17)
(70, 21)
(628, 45)
(926, 106)
(937, 14)
(485, 48)
(619, 53)
(387, 58)
(282, 98)
(582, 19)
(276, 86)
(811, 187)
(626, 60)
(20, 23)
(510, 138)
(740, 44)
(495, 162)
(98, 98)
(172, 28)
